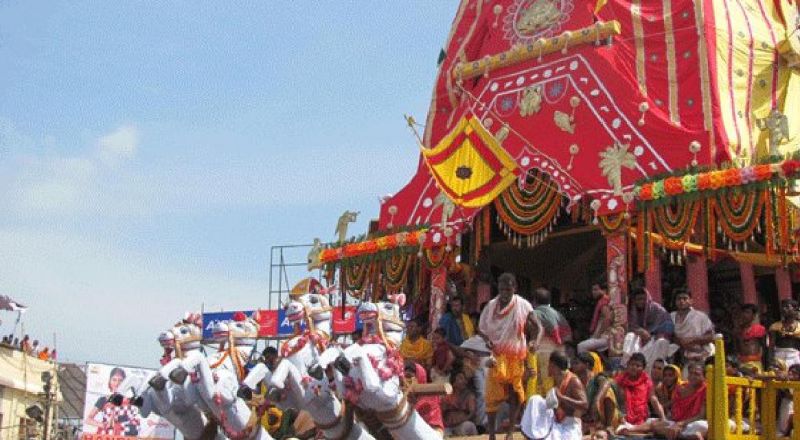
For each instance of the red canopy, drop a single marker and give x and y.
(635, 101)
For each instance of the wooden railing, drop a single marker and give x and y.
(755, 404)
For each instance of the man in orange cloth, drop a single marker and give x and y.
(504, 324)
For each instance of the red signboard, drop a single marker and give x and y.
(344, 323)
(267, 322)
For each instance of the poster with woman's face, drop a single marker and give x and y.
(104, 420)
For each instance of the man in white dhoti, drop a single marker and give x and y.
(650, 328)
(784, 341)
(559, 416)
(694, 332)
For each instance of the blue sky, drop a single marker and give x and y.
(150, 154)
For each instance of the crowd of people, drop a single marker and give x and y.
(640, 371)
(28, 346)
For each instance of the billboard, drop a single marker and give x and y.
(273, 323)
(103, 420)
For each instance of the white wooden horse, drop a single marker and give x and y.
(167, 399)
(292, 386)
(372, 371)
(217, 383)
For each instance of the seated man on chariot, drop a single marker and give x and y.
(784, 341)
(688, 421)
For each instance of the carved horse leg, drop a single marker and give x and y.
(220, 396)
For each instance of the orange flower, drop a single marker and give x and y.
(717, 179)
(382, 243)
(704, 181)
(327, 255)
(646, 191)
(732, 177)
(762, 172)
(391, 241)
(370, 247)
(673, 185)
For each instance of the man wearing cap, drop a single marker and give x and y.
(504, 323)
(475, 356)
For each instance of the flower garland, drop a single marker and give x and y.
(613, 223)
(675, 223)
(388, 243)
(395, 270)
(688, 184)
(435, 257)
(732, 217)
(738, 214)
(527, 212)
(355, 275)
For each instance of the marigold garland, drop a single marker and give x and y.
(732, 216)
(355, 275)
(395, 270)
(528, 209)
(675, 223)
(612, 223)
(682, 185)
(388, 243)
(738, 214)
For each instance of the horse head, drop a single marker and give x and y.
(295, 312)
(242, 330)
(185, 335)
(318, 310)
(382, 318)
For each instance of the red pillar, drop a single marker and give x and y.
(697, 281)
(784, 283)
(652, 279)
(749, 294)
(616, 266)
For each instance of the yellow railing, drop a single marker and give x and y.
(755, 422)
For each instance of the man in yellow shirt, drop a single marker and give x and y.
(414, 346)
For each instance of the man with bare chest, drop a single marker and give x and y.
(785, 335)
(558, 416)
(752, 336)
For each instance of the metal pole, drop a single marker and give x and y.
(271, 268)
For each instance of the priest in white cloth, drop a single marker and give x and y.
(694, 331)
(558, 417)
(505, 322)
(650, 328)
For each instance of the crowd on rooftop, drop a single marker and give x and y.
(29, 346)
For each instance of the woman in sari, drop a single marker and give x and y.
(604, 409)
(670, 380)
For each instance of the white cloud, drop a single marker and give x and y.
(106, 303)
(121, 144)
(39, 182)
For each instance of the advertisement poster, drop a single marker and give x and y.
(274, 323)
(103, 420)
